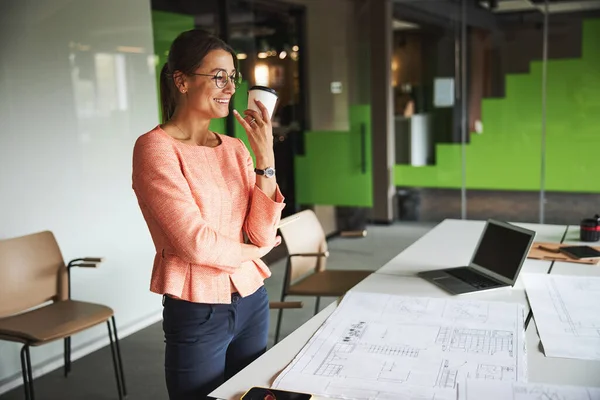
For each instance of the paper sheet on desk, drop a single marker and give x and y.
(379, 346)
(499, 390)
(566, 310)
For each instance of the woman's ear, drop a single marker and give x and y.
(180, 81)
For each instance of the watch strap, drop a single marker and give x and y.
(268, 172)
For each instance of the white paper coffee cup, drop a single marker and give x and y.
(265, 95)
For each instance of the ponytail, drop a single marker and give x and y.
(167, 100)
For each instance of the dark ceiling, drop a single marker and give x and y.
(251, 23)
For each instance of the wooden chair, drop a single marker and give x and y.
(306, 273)
(279, 305)
(36, 306)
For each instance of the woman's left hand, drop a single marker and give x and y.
(260, 133)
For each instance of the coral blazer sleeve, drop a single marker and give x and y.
(161, 186)
(264, 214)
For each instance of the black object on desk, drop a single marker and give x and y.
(580, 252)
(589, 229)
(259, 393)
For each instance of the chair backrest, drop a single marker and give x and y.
(303, 234)
(32, 272)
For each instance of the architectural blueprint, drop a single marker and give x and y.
(503, 390)
(379, 346)
(566, 310)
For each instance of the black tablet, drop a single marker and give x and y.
(580, 252)
(259, 393)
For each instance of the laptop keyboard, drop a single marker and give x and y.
(473, 278)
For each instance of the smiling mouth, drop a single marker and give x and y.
(222, 101)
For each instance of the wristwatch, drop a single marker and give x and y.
(268, 172)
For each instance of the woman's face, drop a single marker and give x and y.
(201, 92)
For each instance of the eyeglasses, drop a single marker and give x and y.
(222, 79)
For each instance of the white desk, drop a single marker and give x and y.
(415, 286)
(563, 370)
(264, 370)
(572, 237)
(450, 243)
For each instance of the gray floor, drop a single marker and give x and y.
(92, 377)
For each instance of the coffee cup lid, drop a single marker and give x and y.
(266, 89)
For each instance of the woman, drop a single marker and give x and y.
(199, 193)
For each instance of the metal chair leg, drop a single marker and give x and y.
(67, 356)
(114, 358)
(279, 318)
(317, 304)
(24, 372)
(29, 372)
(122, 373)
(278, 327)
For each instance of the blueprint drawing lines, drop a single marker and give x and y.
(566, 310)
(415, 348)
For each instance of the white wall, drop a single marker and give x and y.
(71, 106)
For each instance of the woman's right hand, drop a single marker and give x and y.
(259, 130)
(263, 251)
(252, 252)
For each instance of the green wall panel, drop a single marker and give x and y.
(507, 156)
(330, 172)
(217, 125)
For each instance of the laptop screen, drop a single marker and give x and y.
(502, 249)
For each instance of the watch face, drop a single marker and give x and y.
(269, 172)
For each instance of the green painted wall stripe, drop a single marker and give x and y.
(330, 171)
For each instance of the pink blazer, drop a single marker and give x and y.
(198, 202)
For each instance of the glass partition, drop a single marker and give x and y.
(426, 77)
(519, 142)
(495, 111)
(572, 191)
(505, 118)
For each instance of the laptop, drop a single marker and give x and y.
(496, 262)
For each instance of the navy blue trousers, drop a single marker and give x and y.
(206, 344)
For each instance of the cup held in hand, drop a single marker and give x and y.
(265, 95)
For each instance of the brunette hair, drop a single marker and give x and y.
(185, 55)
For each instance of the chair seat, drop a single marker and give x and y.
(328, 283)
(52, 322)
(276, 305)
